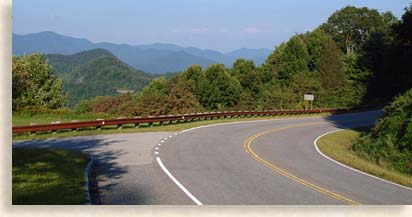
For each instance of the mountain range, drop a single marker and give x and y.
(94, 73)
(152, 58)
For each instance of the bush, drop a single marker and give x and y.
(390, 142)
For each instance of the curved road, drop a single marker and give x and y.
(272, 162)
(260, 162)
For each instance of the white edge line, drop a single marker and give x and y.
(252, 121)
(86, 176)
(177, 182)
(351, 168)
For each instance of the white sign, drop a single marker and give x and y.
(309, 97)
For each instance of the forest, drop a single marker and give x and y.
(358, 56)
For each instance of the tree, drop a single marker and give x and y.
(350, 27)
(316, 42)
(403, 28)
(290, 58)
(247, 75)
(34, 84)
(219, 88)
(331, 68)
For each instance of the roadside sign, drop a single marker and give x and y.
(309, 97)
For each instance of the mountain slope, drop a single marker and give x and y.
(174, 62)
(48, 42)
(64, 64)
(136, 56)
(96, 73)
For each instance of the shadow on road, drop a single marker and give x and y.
(354, 120)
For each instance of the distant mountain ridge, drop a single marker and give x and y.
(153, 58)
(94, 73)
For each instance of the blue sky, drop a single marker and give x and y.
(222, 25)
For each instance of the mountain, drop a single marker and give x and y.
(96, 73)
(48, 42)
(153, 58)
(166, 63)
(257, 55)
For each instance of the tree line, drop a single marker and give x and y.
(358, 56)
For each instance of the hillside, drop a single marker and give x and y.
(389, 143)
(96, 73)
(63, 64)
(152, 58)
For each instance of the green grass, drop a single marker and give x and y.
(338, 146)
(145, 128)
(48, 176)
(44, 118)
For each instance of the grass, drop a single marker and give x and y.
(48, 177)
(145, 128)
(47, 118)
(338, 146)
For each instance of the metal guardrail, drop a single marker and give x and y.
(178, 118)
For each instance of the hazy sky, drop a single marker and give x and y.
(223, 25)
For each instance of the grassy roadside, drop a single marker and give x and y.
(338, 146)
(26, 119)
(145, 128)
(48, 177)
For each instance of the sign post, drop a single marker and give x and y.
(309, 97)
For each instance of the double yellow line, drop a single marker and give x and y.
(247, 146)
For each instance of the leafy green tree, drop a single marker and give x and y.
(351, 27)
(245, 72)
(290, 58)
(219, 88)
(193, 77)
(403, 28)
(34, 84)
(331, 67)
(316, 42)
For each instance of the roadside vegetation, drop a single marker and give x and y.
(389, 145)
(49, 177)
(384, 151)
(339, 146)
(357, 56)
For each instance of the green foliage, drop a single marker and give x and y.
(161, 97)
(218, 88)
(331, 67)
(96, 73)
(289, 58)
(357, 56)
(389, 144)
(316, 42)
(34, 84)
(351, 27)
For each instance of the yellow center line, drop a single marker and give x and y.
(247, 146)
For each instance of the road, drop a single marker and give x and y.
(259, 162)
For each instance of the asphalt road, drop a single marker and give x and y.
(260, 162)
